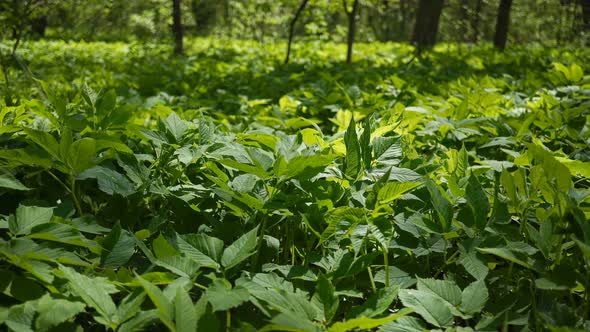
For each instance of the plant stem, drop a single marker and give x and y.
(386, 263)
(74, 196)
(227, 320)
(259, 249)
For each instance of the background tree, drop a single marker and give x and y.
(502, 24)
(294, 20)
(177, 29)
(351, 14)
(427, 21)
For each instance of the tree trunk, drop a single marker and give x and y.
(426, 26)
(585, 15)
(351, 27)
(502, 24)
(177, 27)
(292, 27)
(465, 19)
(403, 10)
(476, 20)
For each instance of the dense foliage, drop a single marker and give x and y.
(226, 191)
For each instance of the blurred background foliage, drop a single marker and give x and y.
(549, 22)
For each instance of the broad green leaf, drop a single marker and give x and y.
(210, 246)
(474, 297)
(118, 247)
(378, 303)
(478, 201)
(365, 143)
(94, 291)
(82, 155)
(430, 306)
(184, 310)
(195, 254)
(28, 217)
(139, 321)
(52, 312)
(131, 305)
(182, 266)
(404, 324)
(441, 204)
(325, 291)
(10, 182)
(353, 160)
(109, 181)
(507, 254)
(306, 167)
(366, 323)
(206, 318)
(164, 306)
(176, 126)
(447, 290)
(44, 140)
(394, 190)
(288, 321)
(223, 297)
(241, 249)
(20, 317)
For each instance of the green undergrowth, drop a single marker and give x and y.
(226, 191)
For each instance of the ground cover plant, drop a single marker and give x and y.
(225, 190)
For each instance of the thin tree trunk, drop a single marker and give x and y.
(351, 27)
(292, 27)
(502, 24)
(177, 27)
(403, 9)
(476, 20)
(585, 15)
(464, 14)
(426, 26)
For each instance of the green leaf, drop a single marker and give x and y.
(118, 247)
(176, 126)
(142, 319)
(353, 163)
(94, 291)
(164, 306)
(109, 181)
(195, 254)
(306, 167)
(365, 323)
(447, 290)
(206, 318)
(326, 294)
(10, 182)
(508, 255)
(441, 204)
(131, 305)
(394, 190)
(289, 321)
(404, 324)
(478, 201)
(186, 318)
(28, 217)
(20, 317)
(52, 312)
(430, 306)
(377, 303)
(474, 297)
(44, 140)
(81, 155)
(365, 143)
(241, 249)
(210, 246)
(223, 297)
